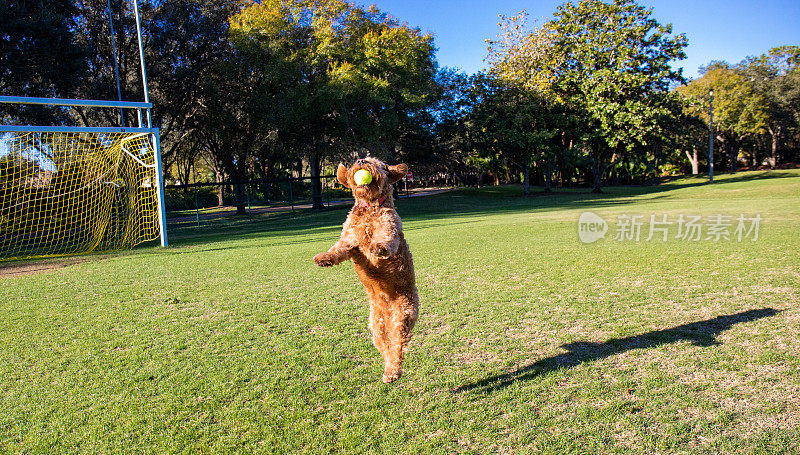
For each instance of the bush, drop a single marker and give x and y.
(184, 198)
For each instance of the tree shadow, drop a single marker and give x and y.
(701, 333)
(446, 208)
(723, 178)
(664, 184)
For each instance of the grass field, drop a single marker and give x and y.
(232, 341)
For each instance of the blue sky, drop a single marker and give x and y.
(717, 30)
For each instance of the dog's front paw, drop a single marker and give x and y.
(324, 259)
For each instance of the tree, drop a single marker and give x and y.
(183, 42)
(39, 56)
(775, 77)
(524, 56)
(510, 122)
(614, 66)
(356, 75)
(444, 127)
(228, 126)
(609, 62)
(739, 111)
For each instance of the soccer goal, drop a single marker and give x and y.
(72, 190)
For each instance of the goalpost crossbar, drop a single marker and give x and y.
(56, 182)
(74, 102)
(74, 129)
(44, 166)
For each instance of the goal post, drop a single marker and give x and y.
(73, 190)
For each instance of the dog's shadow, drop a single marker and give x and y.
(701, 333)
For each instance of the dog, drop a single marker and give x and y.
(372, 237)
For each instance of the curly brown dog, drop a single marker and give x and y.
(372, 237)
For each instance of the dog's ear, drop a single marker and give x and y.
(397, 172)
(341, 175)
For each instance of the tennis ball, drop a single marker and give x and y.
(362, 177)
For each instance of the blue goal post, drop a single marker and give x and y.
(139, 106)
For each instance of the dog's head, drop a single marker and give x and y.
(383, 177)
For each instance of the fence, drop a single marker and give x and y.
(195, 202)
(192, 205)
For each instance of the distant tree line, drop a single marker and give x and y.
(756, 108)
(248, 89)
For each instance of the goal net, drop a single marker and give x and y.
(64, 193)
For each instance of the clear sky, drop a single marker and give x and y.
(717, 30)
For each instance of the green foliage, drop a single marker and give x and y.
(738, 109)
(354, 70)
(775, 77)
(615, 68)
(511, 123)
(180, 199)
(349, 77)
(267, 89)
(40, 56)
(755, 103)
(742, 107)
(608, 62)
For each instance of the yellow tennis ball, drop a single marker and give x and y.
(362, 177)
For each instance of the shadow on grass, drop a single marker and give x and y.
(720, 180)
(448, 207)
(702, 333)
(673, 183)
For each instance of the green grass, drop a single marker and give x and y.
(232, 341)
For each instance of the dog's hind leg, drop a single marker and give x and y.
(403, 317)
(377, 326)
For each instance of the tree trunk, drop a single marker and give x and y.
(547, 179)
(220, 198)
(241, 202)
(656, 155)
(597, 175)
(693, 159)
(733, 152)
(315, 165)
(526, 179)
(773, 159)
(239, 173)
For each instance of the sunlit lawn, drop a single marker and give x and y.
(232, 341)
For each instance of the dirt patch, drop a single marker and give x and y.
(23, 268)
